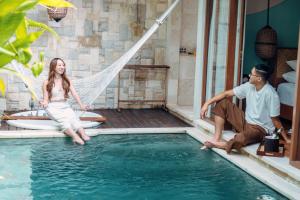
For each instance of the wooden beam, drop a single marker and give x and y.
(231, 45)
(241, 42)
(209, 9)
(295, 145)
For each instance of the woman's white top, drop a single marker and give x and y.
(58, 94)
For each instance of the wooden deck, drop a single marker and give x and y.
(131, 118)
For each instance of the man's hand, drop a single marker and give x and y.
(285, 136)
(203, 111)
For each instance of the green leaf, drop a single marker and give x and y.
(37, 68)
(23, 43)
(26, 80)
(8, 26)
(4, 51)
(2, 87)
(56, 3)
(24, 56)
(27, 5)
(42, 26)
(42, 56)
(21, 31)
(9, 6)
(28, 40)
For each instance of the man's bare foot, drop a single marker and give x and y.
(232, 144)
(209, 144)
(215, 144)
(85, 137)
(229, 146)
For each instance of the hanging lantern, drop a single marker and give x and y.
(57, 13)
(266, 41)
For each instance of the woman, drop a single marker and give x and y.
(55, 93)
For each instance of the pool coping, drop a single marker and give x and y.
(244, 162)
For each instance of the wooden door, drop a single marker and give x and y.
(295, 145)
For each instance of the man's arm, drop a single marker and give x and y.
(226, 94)
(277, 123)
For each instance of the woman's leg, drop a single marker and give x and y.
(83, 135)
(74, 136)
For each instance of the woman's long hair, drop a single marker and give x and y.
(51, 76)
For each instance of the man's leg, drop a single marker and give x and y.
(225, 111)
(252, 134)
(216, 141)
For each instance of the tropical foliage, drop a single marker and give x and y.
(17, 33)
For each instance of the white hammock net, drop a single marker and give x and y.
(89, 88)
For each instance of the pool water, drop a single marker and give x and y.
(155, 166)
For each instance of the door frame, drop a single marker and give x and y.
(295, 140)
(231, 45)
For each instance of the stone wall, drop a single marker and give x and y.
(142, 87)
(91, 38)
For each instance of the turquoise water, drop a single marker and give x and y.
(165, 166)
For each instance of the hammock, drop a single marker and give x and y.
(91, 87)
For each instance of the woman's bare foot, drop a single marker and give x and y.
(78, 140)
(74, 136)
(85, 137)
(82, 134)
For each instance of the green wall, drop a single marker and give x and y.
(284, 18)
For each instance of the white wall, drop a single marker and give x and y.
(187, 62)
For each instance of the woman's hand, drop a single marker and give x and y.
(84, 107)
(44, 103)
(203, 110)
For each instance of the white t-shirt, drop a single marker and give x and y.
(260, 105)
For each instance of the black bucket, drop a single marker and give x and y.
(271, 144)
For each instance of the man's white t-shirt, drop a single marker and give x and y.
(260, 105)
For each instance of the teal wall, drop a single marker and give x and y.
(284, 18)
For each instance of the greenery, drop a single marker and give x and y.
(17, 33)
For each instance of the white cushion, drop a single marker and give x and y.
(290, 76)
(292, 64)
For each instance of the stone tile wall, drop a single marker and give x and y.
(142, 88)
(91, 38)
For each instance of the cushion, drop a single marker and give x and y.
(292, 64)
(290, 76)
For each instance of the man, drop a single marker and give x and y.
(260, 118)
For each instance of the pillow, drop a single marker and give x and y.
(292, 64)
(290, 76)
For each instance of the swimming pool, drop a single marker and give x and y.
(151, 166)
